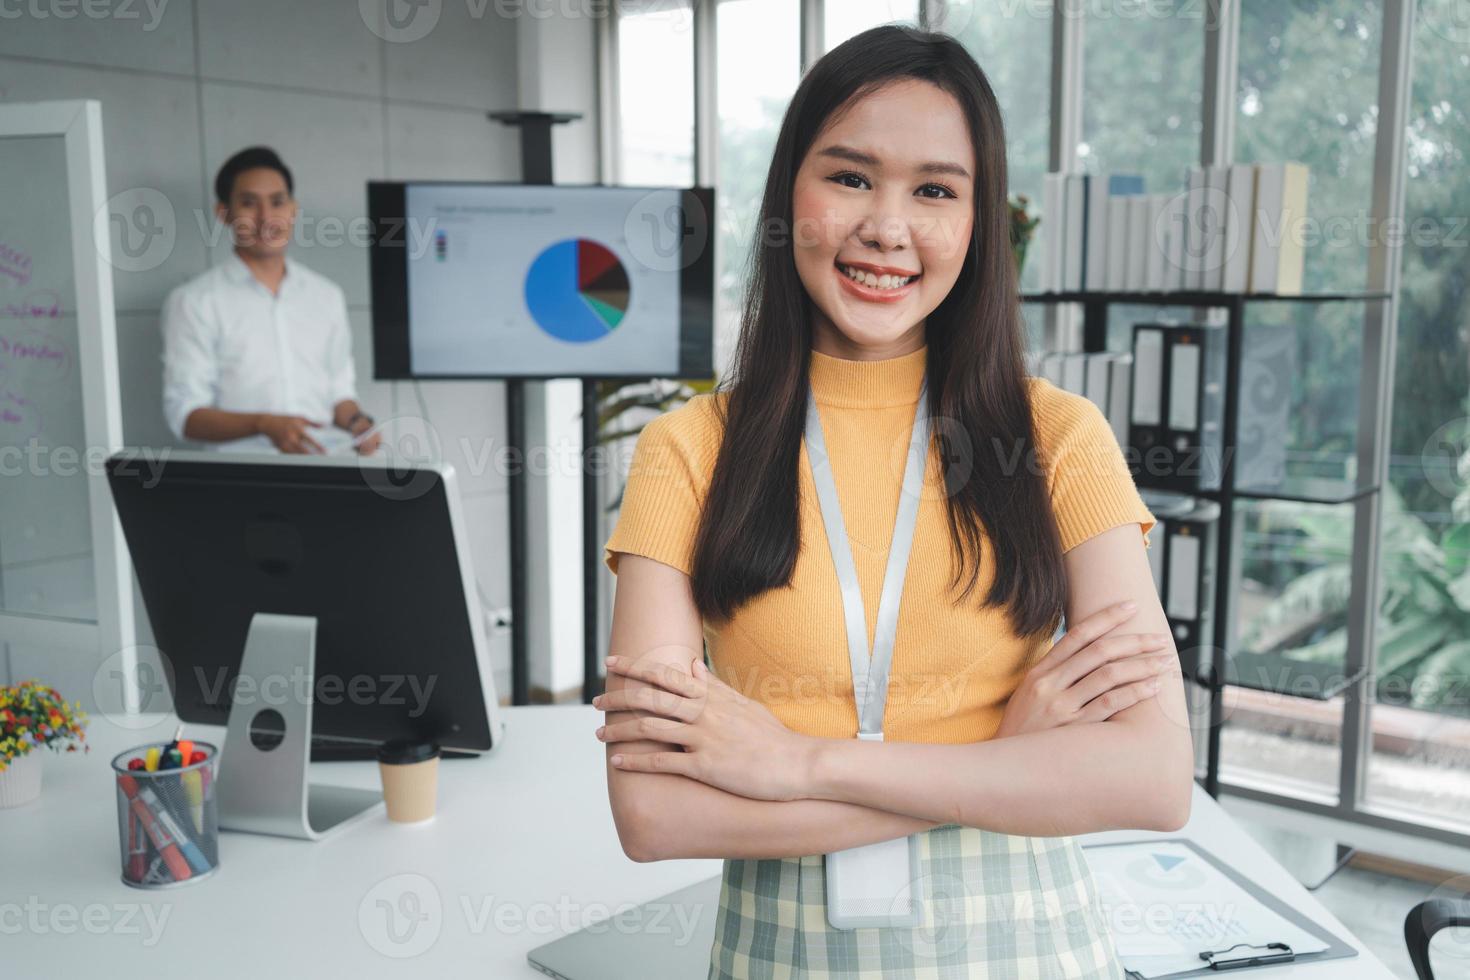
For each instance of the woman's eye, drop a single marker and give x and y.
(843, 179)
(943, 191)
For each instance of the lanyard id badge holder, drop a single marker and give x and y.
(876, 885)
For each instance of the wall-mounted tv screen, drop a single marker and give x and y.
(498, 280)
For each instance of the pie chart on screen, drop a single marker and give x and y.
(577, 290)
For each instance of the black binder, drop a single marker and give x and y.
(1186, 540)
(1177, 427)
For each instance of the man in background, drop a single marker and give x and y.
(257, 352)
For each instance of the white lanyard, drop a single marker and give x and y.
(870, 673)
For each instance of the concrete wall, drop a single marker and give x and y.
(185, 84)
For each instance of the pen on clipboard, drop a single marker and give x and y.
(1216, 958)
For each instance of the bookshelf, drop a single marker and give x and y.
(1214, 676)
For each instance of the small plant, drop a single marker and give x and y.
(616, 400)
(1023, 228)
(33, 715)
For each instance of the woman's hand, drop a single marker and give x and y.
(729, 741)
(1089, 675)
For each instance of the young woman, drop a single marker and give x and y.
(772, 521)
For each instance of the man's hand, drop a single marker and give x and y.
(289, 433)
(370, 445)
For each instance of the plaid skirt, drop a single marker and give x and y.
(994, 907)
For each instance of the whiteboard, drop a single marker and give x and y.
(66, 604)
(45, 537)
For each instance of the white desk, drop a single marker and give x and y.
(523, 850)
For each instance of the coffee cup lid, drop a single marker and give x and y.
(400, 752)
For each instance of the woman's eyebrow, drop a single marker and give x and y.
(868, 160)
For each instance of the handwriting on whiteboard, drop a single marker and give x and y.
(19, 415)
(41, 305)
(15, 265)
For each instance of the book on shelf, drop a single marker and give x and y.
(1174, 262)
(1117, 261)
(1053, 230)
(1074, 225)
(1103, 377)
(1095, 252)
(1135, 275)
(1276, 241)
(1156, 264)
(1239, 212)
(1212, 225)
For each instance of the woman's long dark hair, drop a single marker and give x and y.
(749, 530)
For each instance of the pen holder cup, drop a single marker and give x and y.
(167, 820)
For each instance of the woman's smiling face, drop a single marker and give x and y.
(886, 192)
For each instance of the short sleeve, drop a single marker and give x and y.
(1092, 489)
(662, 500)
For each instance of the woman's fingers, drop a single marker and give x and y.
(1119, 674)
(1111, 702)
(1108, 649)
(661, 674)
(1079, 636)
(644, 697)
(646, 729)
(681, 763)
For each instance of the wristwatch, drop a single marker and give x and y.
(357, 416)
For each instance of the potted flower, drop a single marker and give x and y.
(1023, 228)
(33, 715)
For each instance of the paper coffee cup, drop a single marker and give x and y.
(410, 772)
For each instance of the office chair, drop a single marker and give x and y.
(1427, 918)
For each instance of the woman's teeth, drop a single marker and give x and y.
(876, 282)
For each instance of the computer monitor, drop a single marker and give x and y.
(369, 553)
(505, 280)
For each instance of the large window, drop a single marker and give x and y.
(843, 19)
(1012, 44)
(655, 66)
(1421, 722)
(1142, 72)
(1308, 90)
(759, 64)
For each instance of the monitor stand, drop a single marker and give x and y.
(263, 786)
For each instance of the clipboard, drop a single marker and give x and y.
(1245, 956)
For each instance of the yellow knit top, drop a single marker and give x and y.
(954, 666)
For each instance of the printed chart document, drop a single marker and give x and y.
(1165, 904)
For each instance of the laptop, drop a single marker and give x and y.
(668, 938)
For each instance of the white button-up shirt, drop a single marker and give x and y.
(229, 343)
